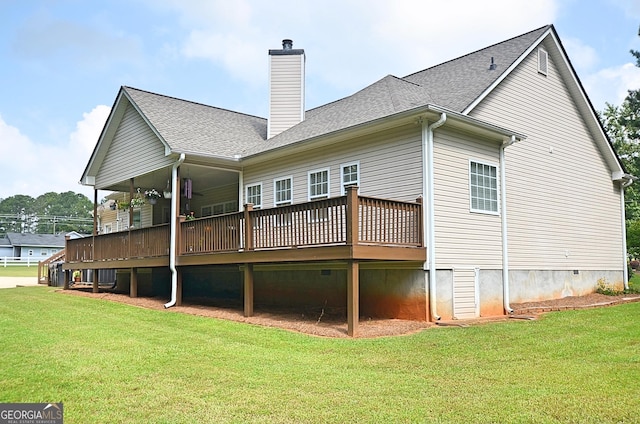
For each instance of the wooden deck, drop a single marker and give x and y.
(349, 227)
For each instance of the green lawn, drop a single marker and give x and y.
(113, 363)
(19, 271)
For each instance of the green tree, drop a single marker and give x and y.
(63, 212)
(622, 124)
(50, 213)
(16, 214)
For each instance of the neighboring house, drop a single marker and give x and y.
(115, 215)
(491, 168)
(5, 246)
(32, 247)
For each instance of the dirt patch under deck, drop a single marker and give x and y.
(328, 323)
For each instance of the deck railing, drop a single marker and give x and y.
(349, 219)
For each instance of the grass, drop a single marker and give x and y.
(109, 362)
(19, 271)
(634, 282)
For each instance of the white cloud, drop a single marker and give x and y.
(34, 168)
(582, 56)
(611, 84)
(348, 43)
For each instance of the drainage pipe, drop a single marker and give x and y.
(625, 270)
(175, 197)
(428, 189)
(503, 220)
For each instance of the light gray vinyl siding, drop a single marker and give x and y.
(286, 99)
(135, 150)
(390, 167)
(463, 238)
(563, 209)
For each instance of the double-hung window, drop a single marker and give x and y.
(483, 187)
(319, 189)
(350, 175)
(283, 195)
(319, 184)
(282, 188)
(254, 195)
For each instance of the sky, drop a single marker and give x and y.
(62, 62)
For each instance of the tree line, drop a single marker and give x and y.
(49, 213)
(622, 124)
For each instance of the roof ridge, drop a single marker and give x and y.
(479, 50)
(191, 101)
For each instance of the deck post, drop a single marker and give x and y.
(39, 271)
(353, 298)
(94, 288)
(95, 213)
(67, 273)
(248, 290)
(179, 288)
(352, 215)
(248, 227)
(133, 283)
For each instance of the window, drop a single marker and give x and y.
(543, 61)
(254, 195)
(43, 253)
(350, 175)
(319, 184)
(483, 183)
(137, 218)
(282, 196)
(219, 208)
(282, 192)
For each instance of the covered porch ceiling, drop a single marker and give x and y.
(203, 177)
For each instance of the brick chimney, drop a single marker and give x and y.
(286, 88)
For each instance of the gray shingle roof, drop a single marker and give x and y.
(388, 96)
(199, 129)
(44, 240)
(196, 128)
(457, 83)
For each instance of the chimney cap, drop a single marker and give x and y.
(287, 49)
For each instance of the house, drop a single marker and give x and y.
(31, 247)
(448, 193)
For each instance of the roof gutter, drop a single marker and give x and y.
(371, 126)
(429, 212)
(175, 197)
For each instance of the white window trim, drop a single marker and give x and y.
(342, 182)
(323, 196)
(275, 196)
(246, 194)
(498, 188)
(542, 53)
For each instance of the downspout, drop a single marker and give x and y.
(503, 219)
(625, 269)
(175, 188)
(430, 222)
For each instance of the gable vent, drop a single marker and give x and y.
(543, 61)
